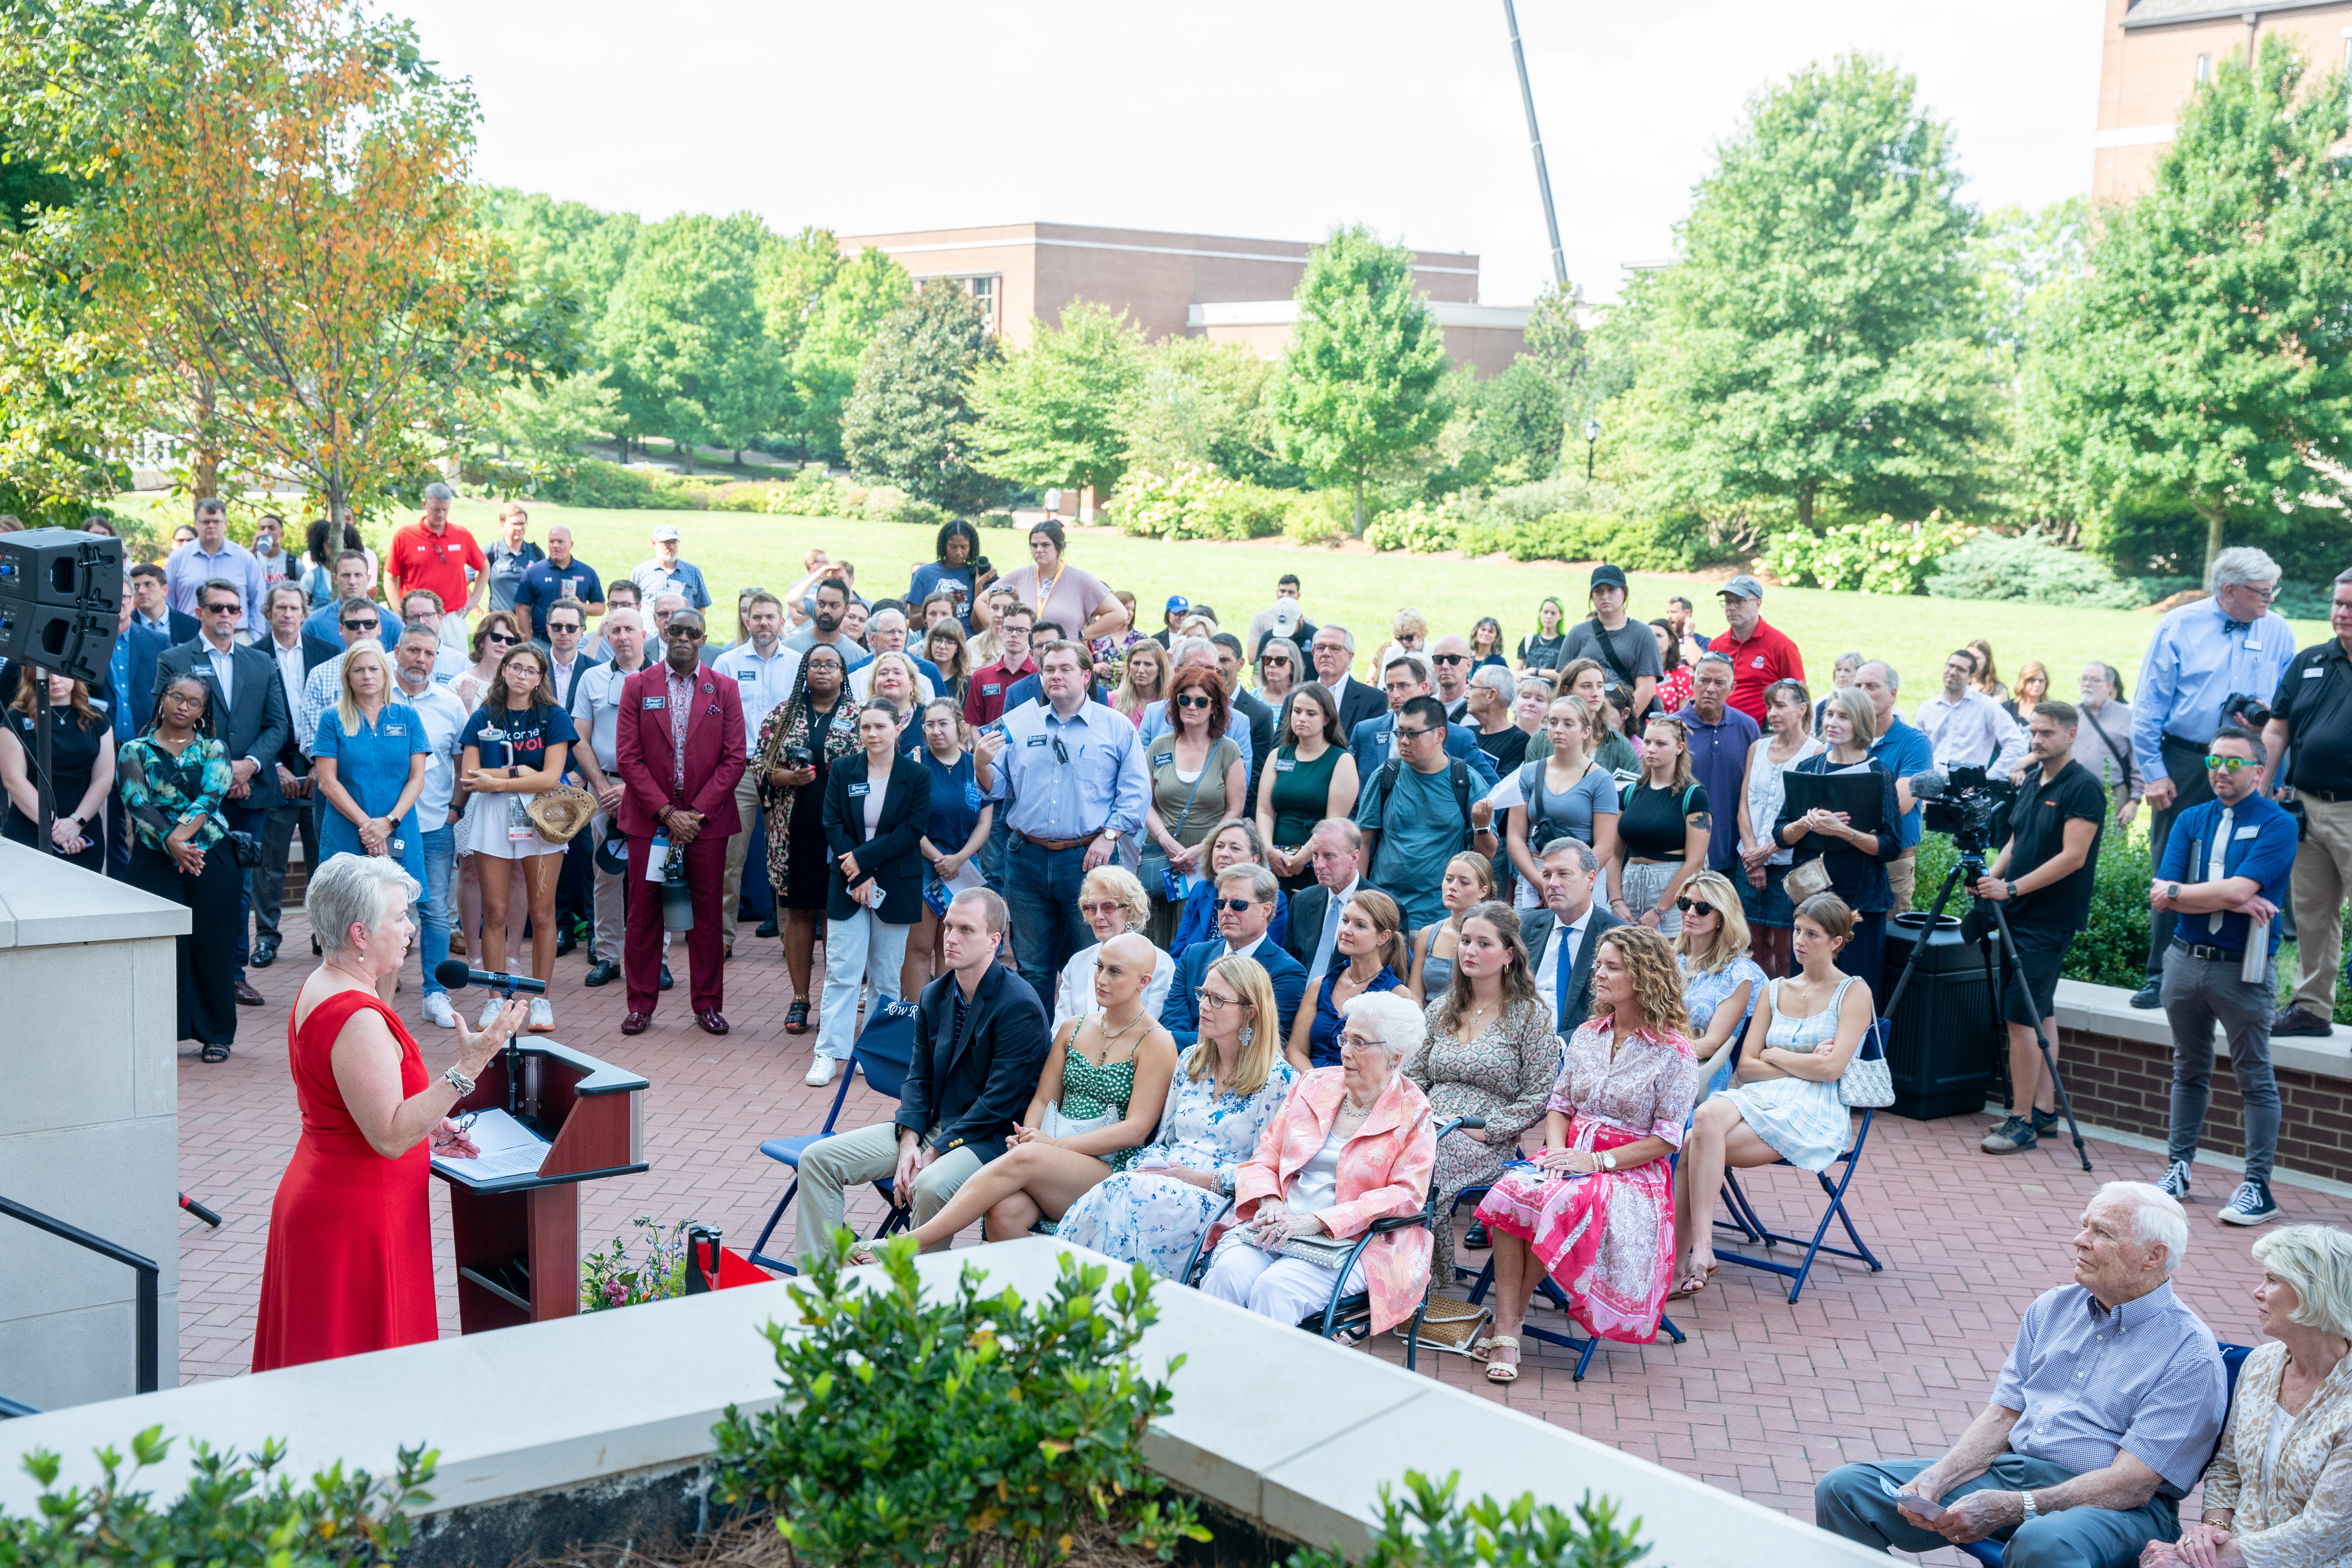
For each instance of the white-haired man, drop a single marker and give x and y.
(2103, 1417)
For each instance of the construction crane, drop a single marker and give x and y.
(1534, 141)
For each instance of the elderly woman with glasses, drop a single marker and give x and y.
(1112, 903)
(1354, 1144)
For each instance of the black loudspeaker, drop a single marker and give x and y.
(1947, 1036)
(61, 566)
(60, 600)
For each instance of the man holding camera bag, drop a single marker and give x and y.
(2042, 879)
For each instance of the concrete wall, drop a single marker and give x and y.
(89, 1124)
(1291, 1434)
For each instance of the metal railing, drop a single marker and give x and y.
(149, 1285)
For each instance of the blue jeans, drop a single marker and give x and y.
(433, 910)
(1041, 888)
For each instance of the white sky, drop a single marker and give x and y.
(1275, 119)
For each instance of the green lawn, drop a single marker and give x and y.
(1358, 589)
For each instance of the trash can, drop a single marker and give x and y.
(1946, 1041)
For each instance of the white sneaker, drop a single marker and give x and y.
(821, 1071)
(489, 1013)
(542, 1014)
(438, 1011)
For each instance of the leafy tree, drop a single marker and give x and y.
(1519, 420)
(2207, 359)
(283, 238)
(1362, 381)
(685, 334)
(910, 421)
(545, 430)
(1049, 414)
(1555, 337)
(823, 348)
(1203, 403)
(1819, 337)
(2025, 263)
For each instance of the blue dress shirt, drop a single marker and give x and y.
(2261, 846)
(2199, 658)
(1903, 751)
(1069, 778)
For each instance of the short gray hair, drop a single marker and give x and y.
(2241, 564)
(1263, 887)
(1893, 675)
(1853, 656)
(1497, 679)
(1566, 843)
(2157, 1218)
(437, 490)
(1184, 647)
(1347, 637)
(2316, 1261)
(1341, 825)
(874, 621)
(352, 890)
(1402, 1026)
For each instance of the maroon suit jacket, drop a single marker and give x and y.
(714, 751)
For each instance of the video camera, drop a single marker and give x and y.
(1968, 804)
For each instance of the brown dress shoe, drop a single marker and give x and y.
(246, 996)
(637, 1023)
(712, 1022)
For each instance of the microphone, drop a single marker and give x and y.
(454, 974)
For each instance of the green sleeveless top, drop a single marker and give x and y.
(1302, 793)
(1088, 1091)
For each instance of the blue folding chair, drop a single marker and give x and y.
(885, 1051)
(1752, 1229)
(1989, 1552)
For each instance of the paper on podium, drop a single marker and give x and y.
(509, 1149)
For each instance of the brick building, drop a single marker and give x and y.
(2155, 52)
(1232, 291)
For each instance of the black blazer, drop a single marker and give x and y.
(1536, 928)
(1248, 705)
(889, 857)
(254, 723)
(976, 1093)
(317, 650)
(1359, 703)
(1309, 906)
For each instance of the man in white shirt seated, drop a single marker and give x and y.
(1967, 727)
(1560, 935)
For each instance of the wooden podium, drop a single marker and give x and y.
(517, 1239)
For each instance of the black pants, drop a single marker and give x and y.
(2184, 764)
(207, 987)
(276, 847)
(571, 893)
(241, 818)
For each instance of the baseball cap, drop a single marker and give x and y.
(1286, 617)
(1178, 603)
(1742, 587)
(1607, 576)
(664, 532)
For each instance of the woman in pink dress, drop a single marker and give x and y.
(1595, 1209)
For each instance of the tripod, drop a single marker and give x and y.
(1972, 865)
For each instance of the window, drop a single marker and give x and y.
(2204, 68)
(981, 287)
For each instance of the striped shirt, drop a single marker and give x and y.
(2144, 1379)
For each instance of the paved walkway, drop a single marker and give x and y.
(1762, 1400)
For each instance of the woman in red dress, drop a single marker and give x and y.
(349, 1265)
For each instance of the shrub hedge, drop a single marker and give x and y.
(1882, 556)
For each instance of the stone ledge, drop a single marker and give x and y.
(2107, 1010)
(1290, 1434)
(44, 902)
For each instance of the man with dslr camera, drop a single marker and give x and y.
(2043, 881)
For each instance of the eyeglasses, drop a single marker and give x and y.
(1211, 1002)
(1694, 906)
(1449, 659)
(2229, 765)
(1404, 734)
(367, 626)
(1274, 660)
(496, 639)
(1236, 905)
(1108, 907)
(220, 609)
(1193, 701)
(2258, 591)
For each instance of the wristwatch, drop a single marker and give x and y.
(2012, 887)
(2172, 890)
(1608, 1162)
(2030, 1511)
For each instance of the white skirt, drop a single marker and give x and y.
(482, 830)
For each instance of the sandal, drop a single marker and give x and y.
(1499, 1371)
(797, 1019)
(216, 1052)
(1693, 1282)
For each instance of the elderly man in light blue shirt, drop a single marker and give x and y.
(213, 553)
(2203, 653)
(1074, 773)
(2103, 1418)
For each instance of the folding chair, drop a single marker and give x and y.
(1989, 1552)
(1751, 1225)
(1343, 1310)
(884, 1050)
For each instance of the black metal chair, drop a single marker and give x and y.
(885, 1049)
(1344, 1310)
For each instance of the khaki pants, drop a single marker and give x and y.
(1903, 876)
(834, 1164)
(747, 807)
(2323, 875)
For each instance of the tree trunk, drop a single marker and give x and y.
(621, 447)
(739, 456)
(1805, 505)
(685, 451)
(1359, 505)
(2213, 539)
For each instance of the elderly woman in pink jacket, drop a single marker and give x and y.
(1353, 1143)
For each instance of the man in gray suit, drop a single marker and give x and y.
(1560, 935)
(249, 714)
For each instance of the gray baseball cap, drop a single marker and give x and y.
(1741, 587)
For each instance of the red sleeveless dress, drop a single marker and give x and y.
(349, 1265)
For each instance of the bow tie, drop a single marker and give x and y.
(2238, 628)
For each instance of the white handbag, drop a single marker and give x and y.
(1058, 1125)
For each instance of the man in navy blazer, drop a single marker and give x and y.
(1244, 933)
(1373, 742)
(980, 1039)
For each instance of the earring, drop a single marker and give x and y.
(1247, 1032)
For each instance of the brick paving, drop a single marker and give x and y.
(1762, 1399)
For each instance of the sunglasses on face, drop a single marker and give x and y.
(361, 626)
(1236, 905)
(500, 639)
(2229, 765)
(219, 610)
(1694, 906)
(1105, 908)
(1191, 701)
(1449, 659)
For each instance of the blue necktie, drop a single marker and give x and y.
(1561, 972)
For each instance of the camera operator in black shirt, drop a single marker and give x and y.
(2312, 714)
(2043, 877)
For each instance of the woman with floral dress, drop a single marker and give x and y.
(174, 778)
(814, 726)
(1228, 1089)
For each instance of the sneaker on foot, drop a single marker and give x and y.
(2010, 1136)
(2250, 1204)
(2175, 1184)
(2043, 1121)
(438, 1011)
(820, 1072)
(489, 1013)
(2148, 996)
(542, 1014)
(2302, 1020)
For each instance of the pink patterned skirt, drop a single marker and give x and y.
(1607, 1239)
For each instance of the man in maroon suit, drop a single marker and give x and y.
(679, 747)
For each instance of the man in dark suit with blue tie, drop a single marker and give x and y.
(1560, 935)
(1374, 740)
(1245, 908)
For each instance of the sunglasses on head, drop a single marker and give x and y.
(1694, 906)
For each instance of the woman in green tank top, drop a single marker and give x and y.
(1310, 779)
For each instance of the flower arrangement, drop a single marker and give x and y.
(609, 1278)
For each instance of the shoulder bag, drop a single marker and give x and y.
(1867, 1084)
(1173, 886)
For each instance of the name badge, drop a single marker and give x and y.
(657, 702)
(1035, 741)
(394, 730)
(1384, 738)
(857, 790)
(1758, 662)
(2313, 674)
(2253, 644)
(1284, 764)
(992, 691)
(2247, 833)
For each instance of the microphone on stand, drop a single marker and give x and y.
(454, 974)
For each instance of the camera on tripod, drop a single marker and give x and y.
(1968, 804)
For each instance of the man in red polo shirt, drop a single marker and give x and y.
(1759, 654)
(983, 695)
(434, 552)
